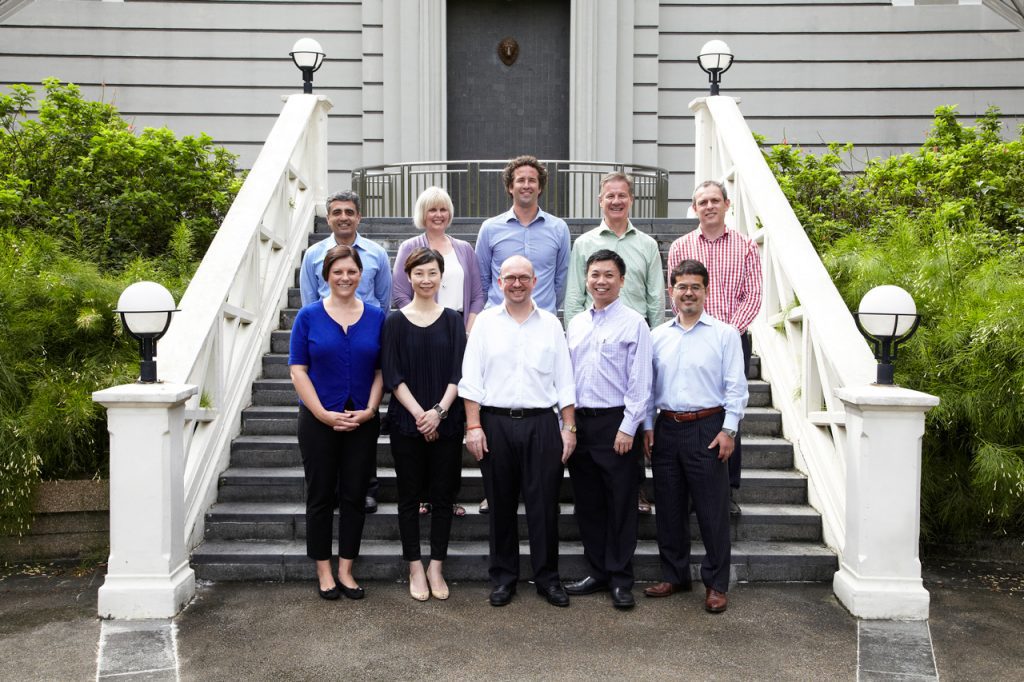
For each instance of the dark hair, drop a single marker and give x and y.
(344, 195)
(711, 183)
(690, 267)
(338, 252)
(422, 257)
(519, 162)
(607, 254)
(617, 176)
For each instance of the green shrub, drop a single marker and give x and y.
(86, 208)
(946, 224)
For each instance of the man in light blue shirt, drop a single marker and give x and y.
(525, 230)
(343, 218)
(700, 392)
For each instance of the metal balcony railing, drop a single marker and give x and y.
(477, 190)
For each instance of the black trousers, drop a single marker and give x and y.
(604, 488)
(337, 465)
(432, 468)
(736, 459)
(683, 467)
(524, 455)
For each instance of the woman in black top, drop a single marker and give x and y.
(421, 357)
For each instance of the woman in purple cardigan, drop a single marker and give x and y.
(461, 287)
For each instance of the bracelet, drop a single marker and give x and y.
(475, 426)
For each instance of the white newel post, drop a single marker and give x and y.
(879, 574)
(148, 575)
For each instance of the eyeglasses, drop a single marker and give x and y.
(683, 288)
(512, 279)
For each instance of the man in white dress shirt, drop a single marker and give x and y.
(515, 373)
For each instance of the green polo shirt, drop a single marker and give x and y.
(644, 288)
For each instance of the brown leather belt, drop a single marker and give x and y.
(690, 416)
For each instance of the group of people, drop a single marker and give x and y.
(474, 352)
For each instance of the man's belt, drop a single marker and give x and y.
(690, 416)
(598, 411)
(517, 412)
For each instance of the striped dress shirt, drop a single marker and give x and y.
(734, 269)
(611, 361)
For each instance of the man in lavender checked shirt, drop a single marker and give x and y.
(610, 348)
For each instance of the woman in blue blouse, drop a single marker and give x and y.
(335, 367)
(423, 345)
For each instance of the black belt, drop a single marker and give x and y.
(598, 411)
(516, 412)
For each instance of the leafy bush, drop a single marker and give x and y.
(86, 208)
(947, 224)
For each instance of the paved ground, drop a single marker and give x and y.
(48, 631)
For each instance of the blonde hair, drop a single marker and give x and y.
(431, 197)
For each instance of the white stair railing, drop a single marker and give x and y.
(805, 335)
(232, 303)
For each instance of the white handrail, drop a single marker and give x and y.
(233, 302)
(806, 338)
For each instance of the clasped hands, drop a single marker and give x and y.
(348, 420)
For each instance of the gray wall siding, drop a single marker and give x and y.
(807, 72)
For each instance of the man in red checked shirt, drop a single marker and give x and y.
(734, 265)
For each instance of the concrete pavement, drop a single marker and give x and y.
(263, 631)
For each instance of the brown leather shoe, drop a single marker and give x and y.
(665, 589)
(715, 601)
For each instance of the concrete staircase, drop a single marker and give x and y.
(256, 529)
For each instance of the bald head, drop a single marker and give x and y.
(517, 281)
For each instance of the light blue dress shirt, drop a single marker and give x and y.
(544, 242)
(698, 369)
(374, 286)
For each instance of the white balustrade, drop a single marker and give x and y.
(232, 304)
(821, 368)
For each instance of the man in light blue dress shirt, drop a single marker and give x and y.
(343, 218)
(525, 230)
(700, 392)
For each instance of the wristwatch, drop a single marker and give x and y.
(729, 432)
(571, 428)
(443, 413)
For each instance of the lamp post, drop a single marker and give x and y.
(887, 317)
(308, 56)
(145, 309)
(714, 59)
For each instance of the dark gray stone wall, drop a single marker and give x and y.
(497, 111)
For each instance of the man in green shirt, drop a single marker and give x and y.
(644, 287)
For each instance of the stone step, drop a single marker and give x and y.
(280, 560)
(282, 450)
(286, 484)
(287, 521)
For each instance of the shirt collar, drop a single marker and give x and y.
(629, 228)
(725, 235)
(510, 216)
(504, 308)
(606, 311)
(705, 319)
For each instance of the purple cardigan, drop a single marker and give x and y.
(472, 286)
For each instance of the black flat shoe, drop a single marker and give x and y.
(330, 594)
(622, 598)
(588, 585)
(352, 592)
(555, 594)
(370, 505)
(502, 594)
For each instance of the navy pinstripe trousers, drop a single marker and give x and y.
(683, 467)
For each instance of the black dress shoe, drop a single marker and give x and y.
(330, 594)
(502, 594)
(370, 506)
(622, 598)
(352, 592)
(555, 594)
(588, 585)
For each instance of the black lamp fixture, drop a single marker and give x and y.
(145, 309)
(309, 57)
(714, 59)
(887, 317)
